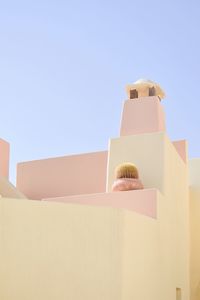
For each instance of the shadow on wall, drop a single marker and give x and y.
(197, 294)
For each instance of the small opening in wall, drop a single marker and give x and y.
(178, 294)
(133, 94)
(152, 91)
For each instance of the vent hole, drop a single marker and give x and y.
(133, 94)
(152, 91)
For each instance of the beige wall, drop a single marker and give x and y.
(174, 221)
(195, 243)
(141, 268)
(66, 251)
(160, 166)
(57, 251)
(194, 165)
(63, 251)
(146, 151)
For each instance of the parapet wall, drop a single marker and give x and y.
(63, 176)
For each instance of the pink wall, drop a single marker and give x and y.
(62, 176)
(181, 148)
(140, 201)
(69, 175)
(4, 158)
(142, 115)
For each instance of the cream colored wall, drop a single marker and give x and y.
(146, 151)
(174, 221)
(63, 251)
(195, 242)
(194, 165)
(56, 251)
(160, 166)
(142, 266)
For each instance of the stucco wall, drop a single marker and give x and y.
(194, 165)
(65, 251)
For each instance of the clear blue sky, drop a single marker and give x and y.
(64, 66)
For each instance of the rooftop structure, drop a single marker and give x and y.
(67, 235)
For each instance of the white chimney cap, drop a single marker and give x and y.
(142, 85)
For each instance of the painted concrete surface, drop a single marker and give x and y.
(84, 242)
(146, 151)
(4, 158)
(182, 149)
(140, 201)
(8, 190)
(195, 242)
(143, 115)
(65, 251)
(194, 167)
(62, 176)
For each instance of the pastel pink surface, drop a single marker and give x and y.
(181, 148)
(140, 201)
(62, 176)
(142, 115)
(127, 184)
(4, 158)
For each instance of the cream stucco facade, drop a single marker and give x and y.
(63, 236)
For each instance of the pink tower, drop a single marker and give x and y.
(143, 112)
